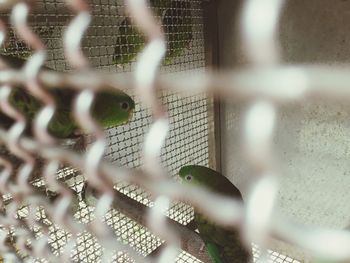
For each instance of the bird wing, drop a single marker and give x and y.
(227, 240)
(214, 253)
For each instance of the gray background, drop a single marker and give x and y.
(312, 138)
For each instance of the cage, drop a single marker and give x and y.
(212, 83)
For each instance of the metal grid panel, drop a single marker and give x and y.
(257, 140)
(112, 43)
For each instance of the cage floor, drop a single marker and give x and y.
(274, 257)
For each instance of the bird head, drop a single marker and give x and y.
(112, 108)
(194, 175)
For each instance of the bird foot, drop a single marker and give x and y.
(202, 248)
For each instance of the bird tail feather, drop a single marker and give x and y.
(214, 253)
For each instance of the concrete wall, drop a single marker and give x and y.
(312, 139)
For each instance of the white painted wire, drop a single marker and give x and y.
(265, 83)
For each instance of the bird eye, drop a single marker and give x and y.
(188, 177)
(124, 105)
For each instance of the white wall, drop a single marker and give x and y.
(312, 139)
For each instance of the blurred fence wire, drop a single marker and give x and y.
(265, 83)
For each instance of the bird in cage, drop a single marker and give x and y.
(176, 20)
(111, 108)
(223, 244)
(13, 43)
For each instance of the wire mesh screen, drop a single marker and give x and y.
(112, 43)
(75, 191)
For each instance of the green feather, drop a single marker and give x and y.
(110, 108)
(214, 252)
(224, 244)
(177, 23)
(176, 19)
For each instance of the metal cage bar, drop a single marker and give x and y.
(38, 217)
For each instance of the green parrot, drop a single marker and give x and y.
(16, 45)
(110, 108)
(223, 244)
(177, 23)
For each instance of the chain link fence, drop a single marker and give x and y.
(116, 200)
